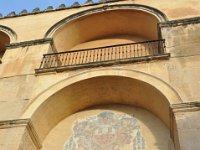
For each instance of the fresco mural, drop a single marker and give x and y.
(106, 131)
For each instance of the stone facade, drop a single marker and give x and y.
(150, 102)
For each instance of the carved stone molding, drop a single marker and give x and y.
(29, 43)
(186, 107)
(180, 22)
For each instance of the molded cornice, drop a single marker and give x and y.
(185, 107)
(29, 43)
(180, 22)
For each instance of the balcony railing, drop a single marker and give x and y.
(101, 56)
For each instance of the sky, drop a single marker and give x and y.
(6, 6)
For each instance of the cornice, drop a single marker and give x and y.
(180, 22)
(186, 107)
(29, 43)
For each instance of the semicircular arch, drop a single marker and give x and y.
(8, 31)
(171, 95)
(116, 24)
(128, 87)
(157, 13)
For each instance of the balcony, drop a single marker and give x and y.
(103, 56)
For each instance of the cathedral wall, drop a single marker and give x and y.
(10, 138)
(20, 86)
(24, 88)
(36, 25)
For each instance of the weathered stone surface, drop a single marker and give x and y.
(55, 101)
(189, 129)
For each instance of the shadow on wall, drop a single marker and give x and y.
(4, 39)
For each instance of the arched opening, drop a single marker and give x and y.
(114, 24)
(106, 28)
(102, 87)
(7, 36)
(105, 36)
(4, 39)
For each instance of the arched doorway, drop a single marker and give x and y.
(102, 87)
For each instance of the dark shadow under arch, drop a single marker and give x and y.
(11, 33)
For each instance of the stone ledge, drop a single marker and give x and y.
(186, 107)
(29, 43)
(180, 22)
(26, 123)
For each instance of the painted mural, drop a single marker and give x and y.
(106, 131)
